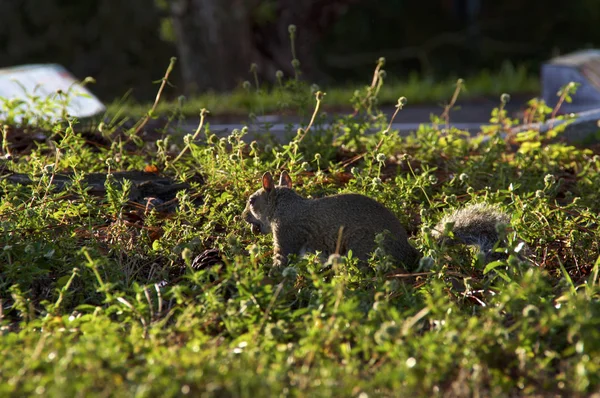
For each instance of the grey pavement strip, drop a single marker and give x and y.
(582, 127)
(283, 131)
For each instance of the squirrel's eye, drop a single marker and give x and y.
(252, 201)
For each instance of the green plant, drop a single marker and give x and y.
(102, 295)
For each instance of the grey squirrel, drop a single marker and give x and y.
(339, 223)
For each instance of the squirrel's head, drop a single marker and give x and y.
(260, 205)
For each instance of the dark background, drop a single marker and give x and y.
(127, 44)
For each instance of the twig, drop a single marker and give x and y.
(446, 114)
(157, 99)
(563, 96)
(374, 83)
(203, 113)
(5, 144)
(399, 106)
(380, 63)
(150, 305)
(319, 96)
(160, 300)
(565, 92)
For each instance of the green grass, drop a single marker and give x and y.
(82, 314)
(241, 102)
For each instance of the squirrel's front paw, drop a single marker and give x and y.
(279, 263)
(275, 271)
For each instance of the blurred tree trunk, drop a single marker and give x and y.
(214, 42)
(218, 40)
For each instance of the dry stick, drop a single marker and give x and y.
(160, 300)
(561, 99)
(379, 84)
(446, 114)
(160, 90)
(380, 63)
(399, 106)
(374, 81)
(412, 321)
(203, 113)
(150, 305)
(319, 96)
(5, 147)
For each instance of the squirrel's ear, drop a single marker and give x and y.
(267, 182)
(285, 180)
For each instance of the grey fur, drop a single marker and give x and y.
(474, 225)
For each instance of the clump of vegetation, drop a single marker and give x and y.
(118, 290)
(278, 99)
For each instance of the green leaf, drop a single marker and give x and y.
(62, 281)
(493, 265)
(568, 279)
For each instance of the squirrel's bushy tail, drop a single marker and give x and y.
(474, 225)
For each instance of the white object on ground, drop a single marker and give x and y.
(46, 81)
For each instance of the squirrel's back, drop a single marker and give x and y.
(356, 209)
(362, 219)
